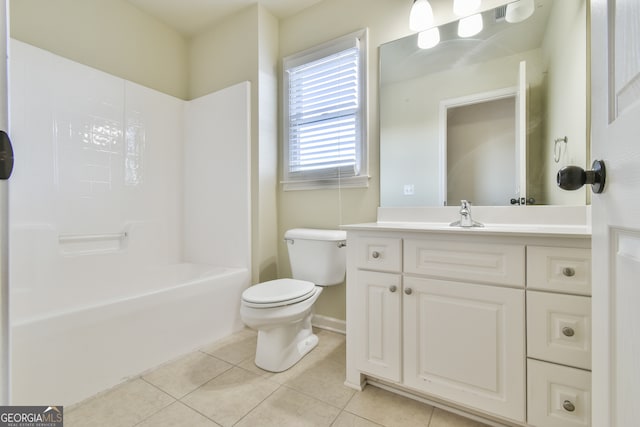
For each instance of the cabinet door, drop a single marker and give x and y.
(466, 343)
(379, 322)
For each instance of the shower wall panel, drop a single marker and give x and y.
(96, 157)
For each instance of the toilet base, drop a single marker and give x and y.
(281, 347)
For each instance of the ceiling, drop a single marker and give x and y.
(189, 17)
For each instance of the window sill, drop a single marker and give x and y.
(325, 184)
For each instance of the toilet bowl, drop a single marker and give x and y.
(281, 310)
(284, 327)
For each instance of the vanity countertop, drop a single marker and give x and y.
(556, 221)
(488, 229)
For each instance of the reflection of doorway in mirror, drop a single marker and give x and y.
(479, 148)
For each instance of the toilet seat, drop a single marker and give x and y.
(277, 293)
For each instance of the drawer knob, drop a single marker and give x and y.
(375, 254)
(569, 272)
(568, 332)
(568, 406)
(393, 288)
(408, 291)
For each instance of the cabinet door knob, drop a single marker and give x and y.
(568, 332)
(408, 291)
(568, 406)
(375, 254)
(569, 272)
(392, 288)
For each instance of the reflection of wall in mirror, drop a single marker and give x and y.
(564, 51)
(481, 153)
(409, 122)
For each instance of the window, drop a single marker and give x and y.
(325, 115)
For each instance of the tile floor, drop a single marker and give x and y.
(219, 385)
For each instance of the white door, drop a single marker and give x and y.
(616, 212)
(4, 221)
(521, 134)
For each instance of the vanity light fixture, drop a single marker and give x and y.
(470, 25)
(421, 15)
(519, 10)
(429, 38)
(465, 7)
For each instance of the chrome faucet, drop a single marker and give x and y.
(465, 216)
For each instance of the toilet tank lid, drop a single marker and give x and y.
(316, 234)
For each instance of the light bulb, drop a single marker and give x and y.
(519, 11)
(465, 7)
(470, 26)
(421, 16)
(428, 39)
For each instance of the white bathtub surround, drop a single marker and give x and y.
(121, 207)
(217, 178)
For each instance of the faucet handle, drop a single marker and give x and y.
(465, 207)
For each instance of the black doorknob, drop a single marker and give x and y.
(6, 156)
(574, 177)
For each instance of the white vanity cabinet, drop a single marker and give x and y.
(444, 317)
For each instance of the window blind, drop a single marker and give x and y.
(324, 116)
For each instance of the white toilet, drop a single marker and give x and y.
(280, 310)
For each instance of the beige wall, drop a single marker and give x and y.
(225, 54)
(565, 51)
(267, 256)
(110, 35)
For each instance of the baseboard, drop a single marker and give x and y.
(329, 323)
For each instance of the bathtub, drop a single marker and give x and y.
(65, 348)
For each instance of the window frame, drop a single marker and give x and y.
(289, 181)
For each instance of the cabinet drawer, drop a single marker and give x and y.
(475, 262)
(379, 253)
(559, 269)
(558, 396)
(559, 328)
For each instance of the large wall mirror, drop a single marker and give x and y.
(489, 118)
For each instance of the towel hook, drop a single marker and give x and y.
(557, 148)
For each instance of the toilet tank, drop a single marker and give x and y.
(318, 256)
